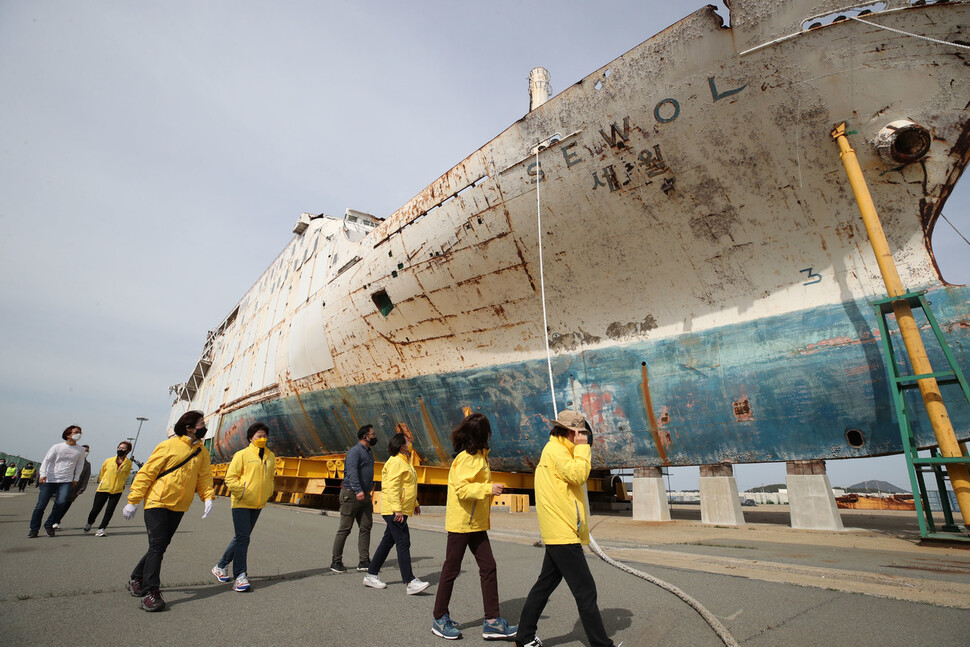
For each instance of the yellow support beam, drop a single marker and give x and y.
(297, 476)
(918, 359)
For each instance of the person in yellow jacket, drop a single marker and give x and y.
(26, 476)
(111, 483)
(178, 468)
(467, 518)
(561, 507)
(250, 479)
(399, 500)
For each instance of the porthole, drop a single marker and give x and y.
(855, 438)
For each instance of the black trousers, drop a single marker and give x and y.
(161, 524)
(100, 498)
(564, 561)
(395, 534)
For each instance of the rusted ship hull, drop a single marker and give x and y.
(708, 281)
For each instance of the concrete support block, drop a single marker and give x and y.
(810, 497)
(649, 495)
(720, 503)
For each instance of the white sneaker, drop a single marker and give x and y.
(241, 585)
(374, 582)
(222, 574)
(56, 526)
(416, 586)
(100, 533)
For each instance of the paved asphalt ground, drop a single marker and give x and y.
(69, 590)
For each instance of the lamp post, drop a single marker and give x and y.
(140, 421)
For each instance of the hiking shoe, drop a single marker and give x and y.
(222, 574)
(445, 627)
(364, 565)
(49, 530)
(87, 527)
(134, 586)
(337, 566)
(31, 534)
(415, 586)
(153, 601)
(241, 585)
(498, 629)
(374, 582)
(535, 643)
(100, 533)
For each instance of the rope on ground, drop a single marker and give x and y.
(906, 33)
(709, 617)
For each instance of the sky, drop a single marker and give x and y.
(155, 156)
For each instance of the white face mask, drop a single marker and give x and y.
(76, 436)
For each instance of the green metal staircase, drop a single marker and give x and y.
(915, 464)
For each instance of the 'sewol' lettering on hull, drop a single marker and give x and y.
(649, 162)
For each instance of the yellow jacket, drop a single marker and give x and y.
(469, 493)
(27, 473)
(399, 486)
(560, 504)
(250, 478)
(174, 490)
(112, 477)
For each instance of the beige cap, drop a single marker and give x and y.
(572, 420)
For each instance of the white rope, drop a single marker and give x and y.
(542, 288)
(906, 33)
(857, 19)
(718, 627)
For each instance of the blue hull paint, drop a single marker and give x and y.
(807, 378)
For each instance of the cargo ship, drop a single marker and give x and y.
(705, 282)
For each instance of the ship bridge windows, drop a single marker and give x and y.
(358, 224)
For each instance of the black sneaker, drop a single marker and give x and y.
(134, 586)
(364, 566)
(153, 601)
(50, 530)
(31, 534)
(337, 566)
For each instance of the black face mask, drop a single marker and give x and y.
(122, 453)
(371, 441)
(200, 433)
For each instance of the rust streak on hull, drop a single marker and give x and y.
(648, 404)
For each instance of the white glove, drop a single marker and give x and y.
(208, 508)
(129, 511)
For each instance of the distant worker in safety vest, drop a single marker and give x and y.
(178, 468)
(561, 507)
(250, 479)
(26, 476)
(7, 477)
(355, 501)
(111, 483)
